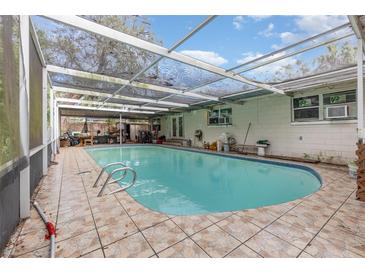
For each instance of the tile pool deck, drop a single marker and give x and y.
(328, 223)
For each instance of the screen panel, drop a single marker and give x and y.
(9, 89)
(35, 97)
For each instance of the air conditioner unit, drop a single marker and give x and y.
(335, 112)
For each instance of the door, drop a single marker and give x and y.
(177, 127)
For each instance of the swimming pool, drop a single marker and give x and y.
(183, 182)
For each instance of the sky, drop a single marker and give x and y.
(230, 40)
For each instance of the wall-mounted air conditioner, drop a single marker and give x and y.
(336, 112)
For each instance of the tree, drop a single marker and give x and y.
(73, 48)
(337, 56)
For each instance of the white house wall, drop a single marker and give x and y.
(270, 119)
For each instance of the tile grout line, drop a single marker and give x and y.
(325, 224)
(262, 229)
(188, 237)
(92, 214)
(138, 229)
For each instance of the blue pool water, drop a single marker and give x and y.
(181, 182)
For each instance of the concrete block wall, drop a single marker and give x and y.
(270, 119)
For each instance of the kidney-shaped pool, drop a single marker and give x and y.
(184, 182)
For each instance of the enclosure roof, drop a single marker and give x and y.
(174, 77)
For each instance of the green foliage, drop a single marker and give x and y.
(9, 88)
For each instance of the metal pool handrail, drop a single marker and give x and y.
(125, 169)
(105, 167)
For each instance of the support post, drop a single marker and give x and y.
(360, 152)
(24, 202)
(120, 129)
(44, 122)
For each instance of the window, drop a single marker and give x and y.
(306, 108)
(340, 105)
(220, 117)
(329, 106)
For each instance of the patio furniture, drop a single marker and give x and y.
(89, 141)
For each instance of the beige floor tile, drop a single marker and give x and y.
(260, 216)
(280, 209)
(134, 208)
(39, 253)
(270, 246)
(310, 217)
(30, 241)
(94, 254)
(134, 246)
(74, 227)
(78, 246)
(352, 223)
(184, 249)
(305, 255)
(243, 252)
(239, 227)
(117, 230)
(110, 217)
(216, 217)
(192, 224)
(163, 235)
(291, 233)
(148, 219)
(333, 242)
(216, 242)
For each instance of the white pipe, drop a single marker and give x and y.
(50, 228)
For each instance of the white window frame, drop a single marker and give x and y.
(321, 108)
(177, 127)
(219, 116)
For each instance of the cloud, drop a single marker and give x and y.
(268, 31)
(314, 24)
(237, 22)
(289, 37)
(248, 56)
(210, 57)
(309, 25)
(259, 17)
(269, 69)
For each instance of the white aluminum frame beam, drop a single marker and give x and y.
(98, 29)
(357, 28)
(120, 81)
(121, 97)
(24, 176)
(296, 52)
(176, 45)
(292, 46)
(125, 106)
(273, 53)
(104, 109)
(323, 43)
(360, 91)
